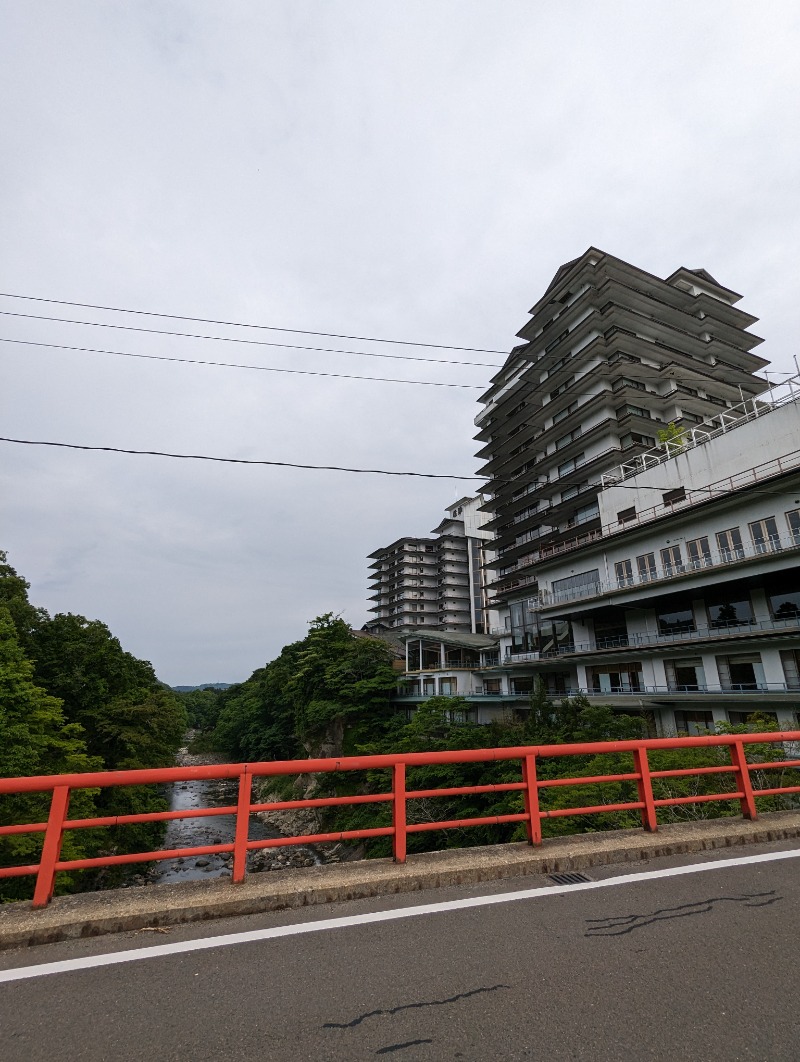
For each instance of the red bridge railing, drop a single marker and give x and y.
(50, 862)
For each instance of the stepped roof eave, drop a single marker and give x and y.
(464, 639)
(705, 276)
(398, 542)
(563, 272)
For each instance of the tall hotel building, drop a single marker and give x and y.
(610, 356)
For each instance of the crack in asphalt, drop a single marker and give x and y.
(616, 926)
(399, 1047)
(411, 1006)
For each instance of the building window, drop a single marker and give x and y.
(522, 685)
(685, 676)
(633, 438)
(671, 497)
(626, 514)
(448, 686)
(741, 672)
(565, 440)
(694, 723)
(570, 466)
(744, 718)
(556, 683)
(793, 520)
(428, 686)
(572, 492)
(671, 560)
(491, 685)
(646, 566)
(624, 572)
(728, 610)
(610, 630)
(636, 411)
(785, 605)
(559, 390)
(678, 620)
(586, 512)
(764, 534)
(584, 585)
(565, 412)
(790, 659)
(431, 655)
(729, 544)
(699, 553)
(616, 678)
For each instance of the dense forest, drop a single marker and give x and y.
(72, 699)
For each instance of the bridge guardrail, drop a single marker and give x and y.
(50, 862)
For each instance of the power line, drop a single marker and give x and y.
(341, 468)
(249, 342)
(267, 368)
(241, 324)
(232, 460)
(233, 365)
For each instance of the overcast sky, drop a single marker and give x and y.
(414, 170)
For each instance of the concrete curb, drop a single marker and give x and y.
(153, 906)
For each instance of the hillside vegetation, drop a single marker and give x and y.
(72, 699)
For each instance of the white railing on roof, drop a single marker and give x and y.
(731, 418)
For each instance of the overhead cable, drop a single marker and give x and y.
(232, 365)
(249, 342)
(267, 368)
(233, 460)
(243, 324)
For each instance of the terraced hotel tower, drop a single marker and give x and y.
(611, 355)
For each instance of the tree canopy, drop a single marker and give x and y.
(71, 700)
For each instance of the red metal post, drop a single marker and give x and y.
(51, 848)
(743, 783)
(242, 827)
(399, 811)
(531, 796)
(645, 787)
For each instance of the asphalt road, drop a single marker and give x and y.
(700, 965)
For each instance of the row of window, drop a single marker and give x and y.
(737, 673)
(763, 533)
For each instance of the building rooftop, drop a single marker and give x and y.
(460, 638)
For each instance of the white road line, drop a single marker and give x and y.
(89, 962)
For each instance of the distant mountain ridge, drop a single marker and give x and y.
(204, 686)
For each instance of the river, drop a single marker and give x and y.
(219, 829)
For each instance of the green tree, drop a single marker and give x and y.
(128, 717)
(27, 619)
(202, 708)
(339, 676)
(35, 739)
(672, 437)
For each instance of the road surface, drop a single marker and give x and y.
(683, 958)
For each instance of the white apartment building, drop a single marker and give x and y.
(434, 583)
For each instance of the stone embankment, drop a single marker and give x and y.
(297, 822)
